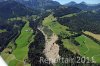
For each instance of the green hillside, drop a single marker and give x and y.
(87, 47)
(19, 49)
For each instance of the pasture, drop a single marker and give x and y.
(89, 48)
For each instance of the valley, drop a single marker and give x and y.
(33, 29)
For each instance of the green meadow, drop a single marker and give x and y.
(23, 42)
(19, 52)
(89, 48)
(57, 28)
(69, 45)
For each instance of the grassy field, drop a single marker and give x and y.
(23, 42)
(89, 48)
(96, 36)
(69, 15)
(26, 34)
(57, 28)
(67, 44)
(1, 31)
(20, 52)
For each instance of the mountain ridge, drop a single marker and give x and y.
(36, 4)
(84, 6)
(14, 9)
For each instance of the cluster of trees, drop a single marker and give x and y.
(10, 9)
(61, 11)
(36, 50)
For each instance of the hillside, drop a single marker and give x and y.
(84, 21)
(38, 4)
(46, 33)
(14, 9)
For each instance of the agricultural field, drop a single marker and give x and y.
(18, 51)
(96, 36)
(89, 48)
